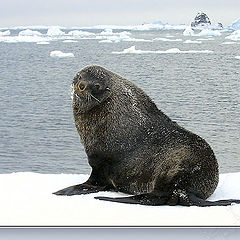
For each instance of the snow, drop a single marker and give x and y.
(26, 39)
(42, 43)
(235, 36)
(167, 40)
(192, 41)
(228, 43)
(5, 33)
(55, 31)
(188, 32)
(80, 33)
(172, 50)
(27, 199)
(236, 24)
(29, 32)
(209, 32)
(59, 54)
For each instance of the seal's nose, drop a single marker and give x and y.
(81, 86)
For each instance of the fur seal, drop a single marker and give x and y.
(133, 147)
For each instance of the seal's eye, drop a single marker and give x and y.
(97, 86)
(81, 86)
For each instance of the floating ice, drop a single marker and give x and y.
(188, 32)
(59, 54)
(25, 196)
(167, 40)
(209, 32)
(228, 43)
(236, 25)
(192, 41)
(169, 51)
(5, 33)
(237, 57)
(42, 43)
(70, 41)
(55, 31)
(79, 33)
(29, 32)
(26, 39)
(107, 31)
(235, 36)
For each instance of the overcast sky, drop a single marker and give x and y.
(120, 12)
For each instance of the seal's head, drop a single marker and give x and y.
(90, 87)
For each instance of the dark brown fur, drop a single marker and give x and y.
(135, 148)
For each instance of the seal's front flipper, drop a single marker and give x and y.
(143, 199)
(81, 189)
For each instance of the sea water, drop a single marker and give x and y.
(193, 79)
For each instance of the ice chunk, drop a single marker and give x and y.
(42, 43)
(5, 33)
(59, 54)
(167, 39)
(228, 43)
(192, 41)
(188, 31)
(29, 32)
(80, 33)
(236, 25)
(237, 57)
(209, 32)
(55, 31)
(70, 41)
(107, 31)
(235, 36)
(169, 51)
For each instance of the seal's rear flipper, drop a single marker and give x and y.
(203, 203)
(80, 189)
(143, 199)
(176, 198)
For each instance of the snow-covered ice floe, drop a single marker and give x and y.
(209, 32)
(169, 51)
(59, 54)
(27, 199)
(5, 33)
(235, 36)
(236, 25)
(192, 41)
(168, 40)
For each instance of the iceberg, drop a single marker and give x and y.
(192, 41)
(29, 32)
(55, 31)
(169, 51)
(59, 54)
(236, 25)
(27, 200)
(5, 33)
(26, 39)
(188, 31)
(79, 33)
(235, 36)
(209, 32)
(167, 40)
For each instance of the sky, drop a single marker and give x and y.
(83, 13)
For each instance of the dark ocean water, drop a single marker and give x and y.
(37, 133)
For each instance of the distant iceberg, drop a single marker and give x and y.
(209, 32)
(188, 31)
(29, 32)
(235, 36)
(59, 54)
(169, 51)
(236, 25)
(79, 33)
(5, 33)
(55, 31)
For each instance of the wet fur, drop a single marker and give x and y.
(134, 148)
